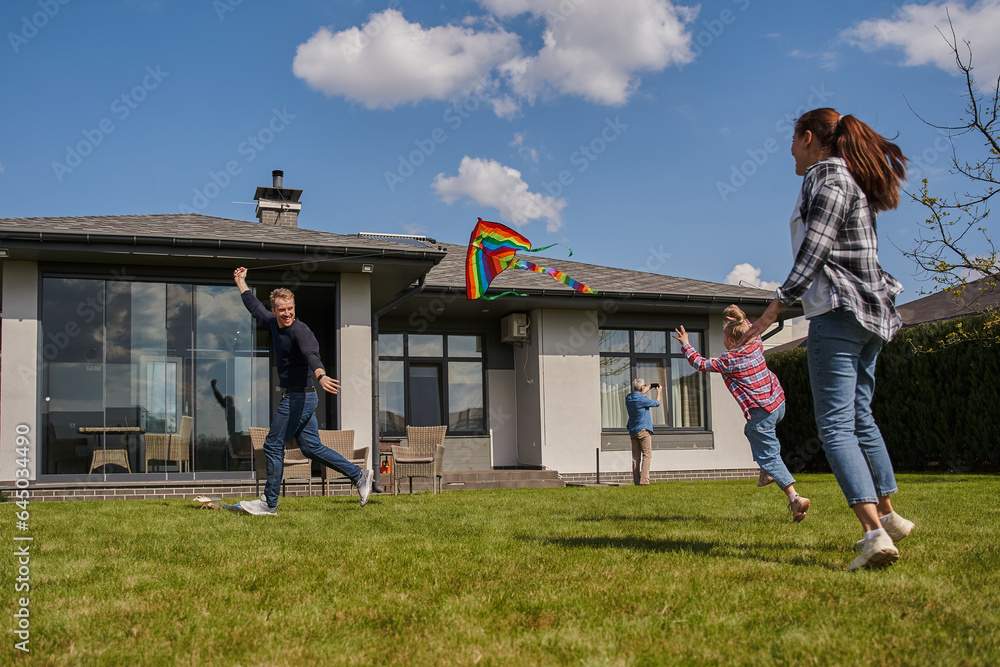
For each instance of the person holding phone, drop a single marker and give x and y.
(640, 428)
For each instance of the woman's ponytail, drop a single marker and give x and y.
(877, 165)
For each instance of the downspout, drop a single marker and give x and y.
(376, 438)
(781, 325)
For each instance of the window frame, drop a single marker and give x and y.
(668, 357)
(442, 363)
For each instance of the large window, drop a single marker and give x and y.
(655, 356)
(430, 380)
(147, 377)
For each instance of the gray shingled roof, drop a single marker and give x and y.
(191, 226)
(450, 273)
(978, 296)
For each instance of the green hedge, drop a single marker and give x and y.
(936, 410)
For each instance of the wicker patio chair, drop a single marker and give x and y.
(341, 442)
(423, 456)
(296, 465)
(171, 447)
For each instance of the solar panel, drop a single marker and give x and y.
(418, 241)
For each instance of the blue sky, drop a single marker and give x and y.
(644, 134)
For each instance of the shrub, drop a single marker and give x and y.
(936, 409)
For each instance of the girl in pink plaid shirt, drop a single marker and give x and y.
(760, 396)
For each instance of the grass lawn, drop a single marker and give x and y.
(673, 573)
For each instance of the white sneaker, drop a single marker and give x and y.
(258, 507)
(365, 486)
(878, 551)
(896, 526)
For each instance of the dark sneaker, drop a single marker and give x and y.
(365, 486)
(258, 507)
(878, 551)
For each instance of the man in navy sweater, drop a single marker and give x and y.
(296, 352)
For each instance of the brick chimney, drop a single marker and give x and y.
(278, 205)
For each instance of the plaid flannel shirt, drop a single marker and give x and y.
(841, 242)
(746, 374)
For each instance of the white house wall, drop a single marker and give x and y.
(18, 391)
(503, 416)
(570, 371)
(355, 348)
(559, 404)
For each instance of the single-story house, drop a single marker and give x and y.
(118, 331)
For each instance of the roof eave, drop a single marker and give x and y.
(70, 240)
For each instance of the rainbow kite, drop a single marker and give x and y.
(491, 250)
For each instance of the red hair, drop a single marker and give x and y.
(877, 165)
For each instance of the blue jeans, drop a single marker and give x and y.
(842, 357)
(764, 443)
(295, 418)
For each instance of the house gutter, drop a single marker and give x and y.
(376, 436)
(72, 241)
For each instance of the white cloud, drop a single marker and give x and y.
(526, 152)
(915, 30)
(414, 229)
(489, 183)
(505, 107)
(390, 61)
(597, 49)
(827, 59)
(747, 274)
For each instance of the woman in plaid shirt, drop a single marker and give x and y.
(851, 173)
(760, 396)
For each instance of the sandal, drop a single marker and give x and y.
(797, 508)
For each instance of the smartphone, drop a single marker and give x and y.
(655, 385)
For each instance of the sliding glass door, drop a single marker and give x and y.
(148, 378)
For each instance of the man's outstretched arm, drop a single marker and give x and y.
(252, 303)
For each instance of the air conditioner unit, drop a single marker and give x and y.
(514, 328)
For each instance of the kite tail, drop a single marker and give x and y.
(554, 273)
(550, 246)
